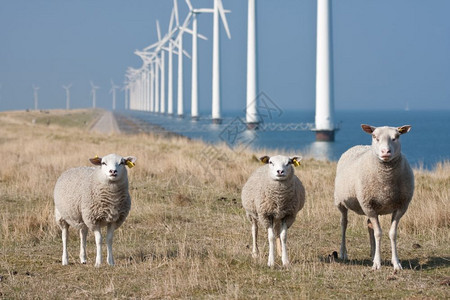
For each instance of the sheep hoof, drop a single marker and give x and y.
(376, 266)
(397, 266)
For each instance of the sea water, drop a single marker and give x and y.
(427, 143)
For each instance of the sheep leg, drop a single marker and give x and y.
(371, 239)
(83, 235)
(377, 234)
(109, 240)
(65, 233)
(393, 237)
(344, 221)
(255, 250)
(283, 238)
(98, 242)
(272, 237)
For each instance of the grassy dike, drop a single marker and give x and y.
(187, 236)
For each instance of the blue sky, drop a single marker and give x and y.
(387, 53)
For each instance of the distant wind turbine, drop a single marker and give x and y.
(93, 93)
(126, 90)
(194, 78)
(113, 92)
(218, 10)
(179, 43)
(35, 93)
(67, 88)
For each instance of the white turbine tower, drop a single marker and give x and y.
(179, 43)
(35, 94)
(194, 78)
(93, 93)
(67, 88)
(113, 92)
(218, 10)
(126, 91)
(324, 74)
(251, 108)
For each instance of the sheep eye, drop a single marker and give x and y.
(270, 162)
(103, 163)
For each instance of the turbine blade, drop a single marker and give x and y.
(158, 30)
(202, 36)
(175, 8)
(171, 21)
(223, 17)
(205, 10)
(186, 54)
(189, 4)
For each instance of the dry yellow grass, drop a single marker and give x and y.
(186, 235)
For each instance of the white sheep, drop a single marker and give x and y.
(91, 198)
(273, 195)
(375, 180)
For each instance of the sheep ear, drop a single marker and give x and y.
(404, 129)
(96, 160)
(367, 128)
(295, 160)
(264, 159)
(130, 161)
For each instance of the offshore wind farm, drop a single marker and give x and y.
(146, 85)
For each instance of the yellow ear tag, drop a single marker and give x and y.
(296, 163)
(130, 164)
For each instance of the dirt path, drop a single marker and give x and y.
(106, 124)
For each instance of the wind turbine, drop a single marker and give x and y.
(113, 92)
(161, 63)
(35, 94)
(218, 10)
(93, 93)
(324, 118)
(126, 91)
(179, 44)
(194, 78)
(251, 108)
(67, 88)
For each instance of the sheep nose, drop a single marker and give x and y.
(385, 151)
(113, 172)
(280, 172)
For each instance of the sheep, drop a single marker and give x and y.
(375, 180)
(91, 198)
(273, 195)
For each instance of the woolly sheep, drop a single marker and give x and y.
(91, 198)
(273, 195)
(375, 180)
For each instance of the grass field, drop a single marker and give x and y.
(187, 236)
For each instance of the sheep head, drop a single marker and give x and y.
(113, 165)
(386, 141)
(280, 166)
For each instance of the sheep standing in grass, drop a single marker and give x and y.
(273, 195)
(375, 180)
(91, 198)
